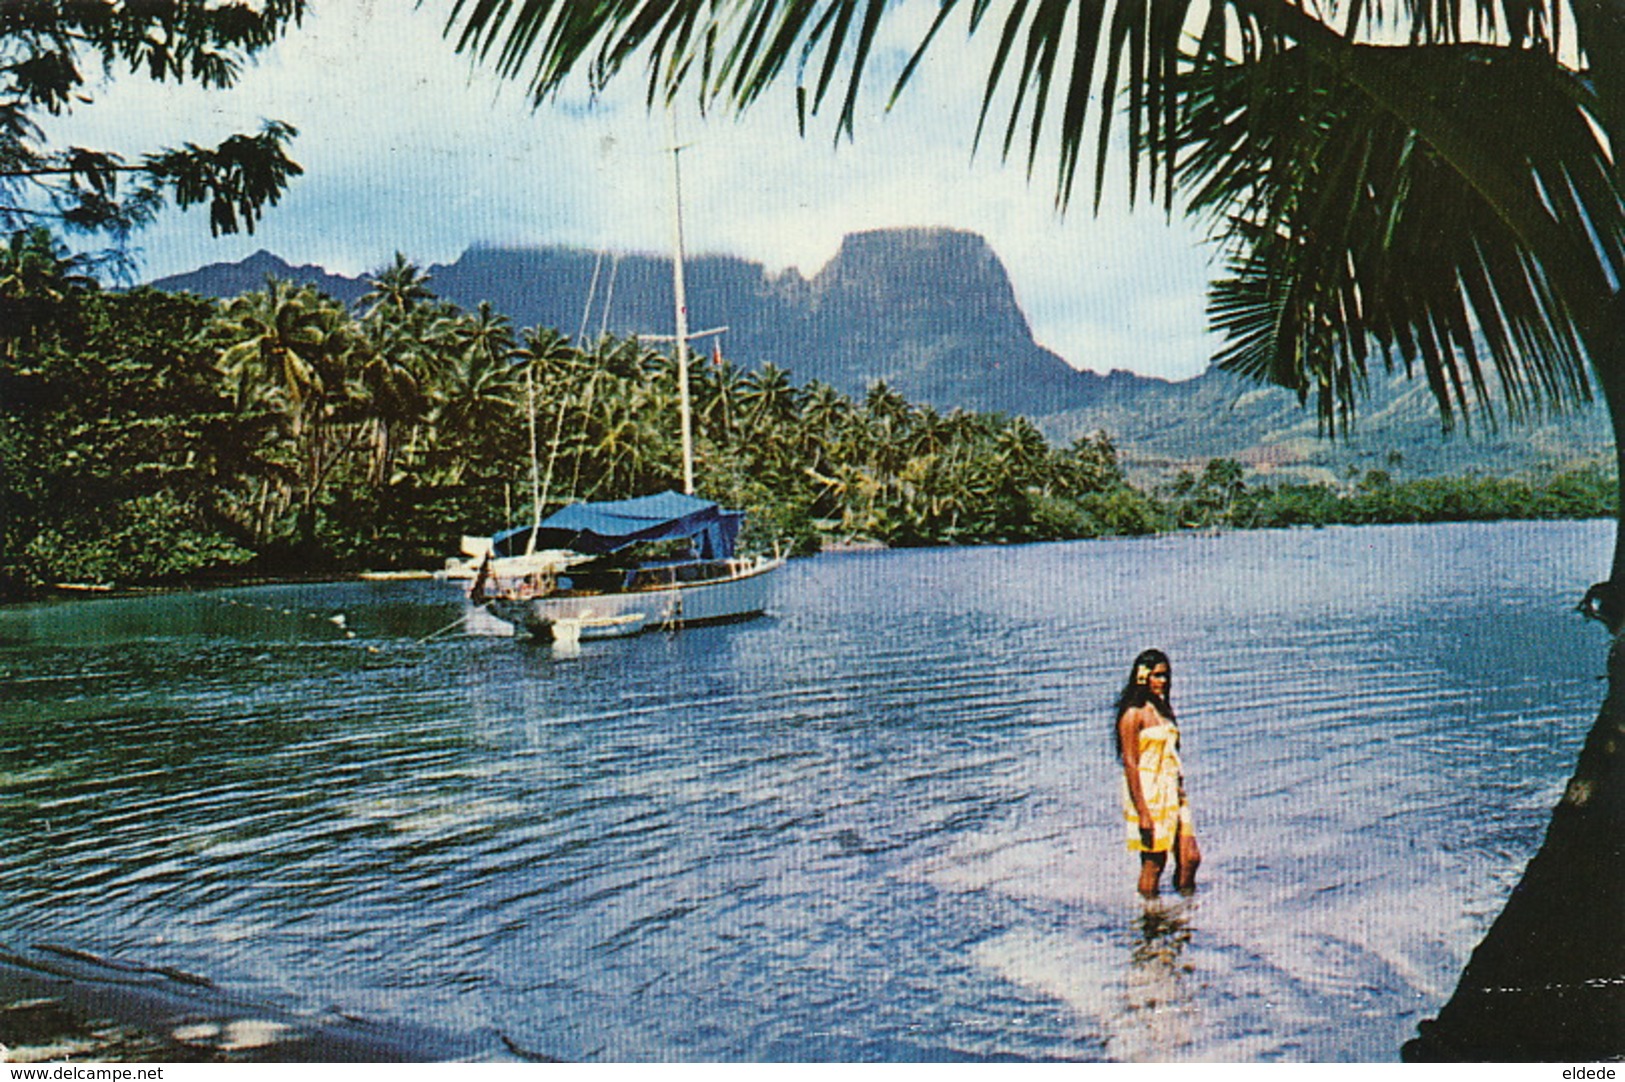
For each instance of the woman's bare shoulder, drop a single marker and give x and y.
(1138, 717)
(1144, 716)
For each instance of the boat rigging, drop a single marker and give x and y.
(578, 581)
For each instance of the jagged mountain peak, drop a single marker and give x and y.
(930, 310)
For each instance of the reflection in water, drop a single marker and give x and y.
(1159, 1007)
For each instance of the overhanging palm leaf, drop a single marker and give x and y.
(735, 49)
(1348, 230)
(1055, 62)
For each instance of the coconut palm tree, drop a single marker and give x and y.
(627, 446)
(554, 372)
(1428, 184)
(399, 288)
(416, 341)
(34, 263)
(717, 388)
(767, 398)
(826, 423)
(294, 351)
(549, 353)
(269, 342)
(1090, 464)
(481, 397)
(392, 388)
(824, 408)
(1021, 448)
(485, 332)
(40, 281)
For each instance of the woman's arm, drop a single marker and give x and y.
(1128, 737)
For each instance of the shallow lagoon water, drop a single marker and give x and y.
(878, 824)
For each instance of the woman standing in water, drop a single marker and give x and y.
(1154, 807)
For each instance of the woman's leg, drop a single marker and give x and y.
(1187, 858)
(1150, 872)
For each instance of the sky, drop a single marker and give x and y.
(409, 147)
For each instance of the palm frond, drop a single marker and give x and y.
(1519, 23)
(1058, 66)
(1349, 228)
(1054, 64)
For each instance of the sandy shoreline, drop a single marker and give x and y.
(58, 1004)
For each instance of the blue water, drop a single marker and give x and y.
(878, 824)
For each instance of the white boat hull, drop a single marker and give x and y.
(740, 596)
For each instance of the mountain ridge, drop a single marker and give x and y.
(932, 311)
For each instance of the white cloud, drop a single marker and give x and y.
(406, 147)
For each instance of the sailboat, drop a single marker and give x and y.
(581, 576)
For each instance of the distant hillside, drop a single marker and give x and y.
(226, 280)
(1161, 427)
(932, 312)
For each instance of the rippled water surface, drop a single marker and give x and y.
(879, 823)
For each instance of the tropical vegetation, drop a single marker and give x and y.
(50, 54)
(1429, 185)
(1220, 495)
(147, 436)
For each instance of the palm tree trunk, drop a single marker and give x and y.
(1612, 378)
(380, 470)
(1548, 980)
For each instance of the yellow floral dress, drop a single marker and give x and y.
(1161, 781)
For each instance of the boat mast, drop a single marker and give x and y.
(680, 296)
(535, 472)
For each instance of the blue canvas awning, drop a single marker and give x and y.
(600, 528)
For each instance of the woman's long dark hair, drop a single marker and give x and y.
(1137, 692)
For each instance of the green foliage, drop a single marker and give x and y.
(49, 52)
(146, 538)
(1124, 511)
(1349, 232)
(41, 287)
(112, 423)
(406, 524)
(1376, 498)
(146, 436)
(784, 526)
(1585, 493)
(1208, 499)
(1289, 505)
